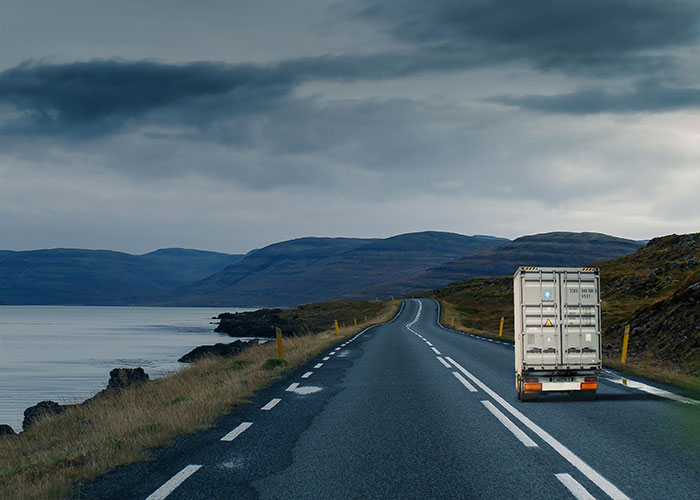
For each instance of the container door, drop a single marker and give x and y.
(580, 319)
(540, 342)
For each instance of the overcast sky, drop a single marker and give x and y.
(229, 125)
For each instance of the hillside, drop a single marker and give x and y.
(66, 276)
(656, 290)
(316, 269)
(547, 249)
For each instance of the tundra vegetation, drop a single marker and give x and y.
(58, 453)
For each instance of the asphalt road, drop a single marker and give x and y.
(410, 409)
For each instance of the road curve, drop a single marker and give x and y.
(410, 409)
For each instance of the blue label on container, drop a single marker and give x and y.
(547, 294)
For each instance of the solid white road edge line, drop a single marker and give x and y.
(524, 438)
(436, 351)
(445, 363)
(271, 404)
(172, 483)
(574, 487)
(649, 389)
(237, 431)
(610, 489)
(292, 387)
(465, 382)
(318, 365)
(307, 375)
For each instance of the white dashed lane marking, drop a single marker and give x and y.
(574, 487)
(464, 382)
(172, 483)
(292, 387)
(318, 365)
(445, 363)
(307, 375)
(269, 406)
(237, 431)
(436, 351)
(524, 438)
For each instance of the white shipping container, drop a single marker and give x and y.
(557, 329)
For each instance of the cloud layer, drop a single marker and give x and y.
(464, 114)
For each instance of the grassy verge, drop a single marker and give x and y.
(462, 319)
(59, 453)
(649, 370)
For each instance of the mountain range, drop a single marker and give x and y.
(287, 273)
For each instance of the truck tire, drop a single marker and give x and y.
(526, 396)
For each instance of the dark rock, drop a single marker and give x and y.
(6, 430)
(86, 421)
(260, 323)
(121, 378)
(40, 410)
(652, 278)
(218, 350)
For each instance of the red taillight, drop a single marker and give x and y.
(532, 386)
(589, 386)
(591, 379)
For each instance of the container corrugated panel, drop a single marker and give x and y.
(557, 318)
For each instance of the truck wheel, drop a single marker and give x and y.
(529, 396)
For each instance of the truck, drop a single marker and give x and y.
(557, 331)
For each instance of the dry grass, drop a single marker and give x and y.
(458, 318)
(56, 454)
(654, 371)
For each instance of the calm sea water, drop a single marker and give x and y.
(65, 353)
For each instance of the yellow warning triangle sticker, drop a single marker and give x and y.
(548, 323)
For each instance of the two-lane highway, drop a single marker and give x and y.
(410, 409)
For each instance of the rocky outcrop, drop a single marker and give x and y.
(216, 350)
(39, 411)
(260, 323)
(121, 378)
(6, 430)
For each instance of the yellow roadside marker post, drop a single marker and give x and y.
(452, 321)
(500, 332)
(280, 349)
(355, 320)
(337, 330)
(625, 341)
(365, 319)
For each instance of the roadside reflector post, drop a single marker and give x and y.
(452, 321)
(392, 298)
(355, 320)
(500, 331)
(365, 319)
(280, 349)
(625, 342)
(337, 330)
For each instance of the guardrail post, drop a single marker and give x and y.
(625, 342)
(280, 348)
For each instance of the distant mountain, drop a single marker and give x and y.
(64, 276)
(546, 249)
(315, 269)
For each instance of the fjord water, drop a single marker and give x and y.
(65, 353)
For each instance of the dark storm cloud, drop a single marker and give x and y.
(589, 35)
(645, 97)
(101, 96)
